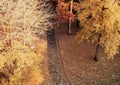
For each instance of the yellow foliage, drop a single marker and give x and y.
(20, 22)
(18, 59)
(100, 17)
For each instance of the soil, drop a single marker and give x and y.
(79, 66)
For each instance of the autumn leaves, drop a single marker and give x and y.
(97, 17)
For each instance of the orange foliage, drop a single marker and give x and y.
(4, 31)
(63, 13)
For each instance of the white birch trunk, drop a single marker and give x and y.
(69, 27)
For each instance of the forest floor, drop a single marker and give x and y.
(79, 66)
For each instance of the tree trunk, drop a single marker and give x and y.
(78, 23)
(97, 48)
(69, 26)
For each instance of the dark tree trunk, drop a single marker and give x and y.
(96, 53)
(78, 23)
(97, 48)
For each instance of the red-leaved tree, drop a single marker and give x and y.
(65, 13)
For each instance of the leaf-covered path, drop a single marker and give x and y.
(70, 63)
(55, 68)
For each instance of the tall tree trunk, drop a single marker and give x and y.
(69, 26)
(97, 48)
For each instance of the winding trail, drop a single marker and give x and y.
(56, 68)
(77, 67)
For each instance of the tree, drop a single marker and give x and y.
(64, 12)
(100, 20)
(20, 22)
(32, 17)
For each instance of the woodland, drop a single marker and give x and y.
(23, 26)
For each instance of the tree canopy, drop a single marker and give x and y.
(100, 17)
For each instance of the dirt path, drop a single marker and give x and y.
(56, 71)
(79, 65)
